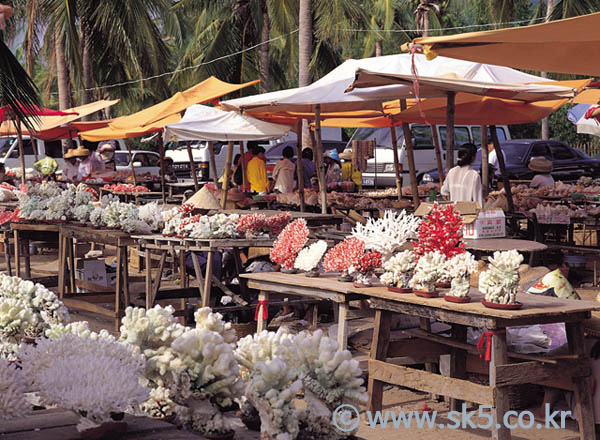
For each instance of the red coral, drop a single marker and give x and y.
(92, 191)
(291, 240)
(368, 262)
(277, 222)
(343, 255)
(186, 221)
(126, 188)
(251, 223)
(7, 186)
(441, 230)
(186, 209)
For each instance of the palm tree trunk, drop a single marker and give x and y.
(305, 38)
(62, 75)
(86, 61)
(378, 48)
(264, 49)
(550, 4)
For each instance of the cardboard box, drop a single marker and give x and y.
(478, 223)
(91, 270)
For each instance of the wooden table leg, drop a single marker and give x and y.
(261, 324)
(342, 334)
(27, 259)
(72, 270)
(7, 253)
(125, 258)
(379, 349)
(430, 367)
(118, 286)
(159, 275)
(239, 268)
(17, 245)
(315, 316)
(582, 385)
(61, 267)
(148, 279)
(501, 401)
(458, 361)
(199, 276)
(208, 278)
(184, 282)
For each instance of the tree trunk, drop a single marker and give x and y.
(550, 4)
(264, 50)
(378, 48)
(62, 75)
(305, 39)
(86, 60)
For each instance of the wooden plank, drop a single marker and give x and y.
(415, 348)
(458, 361)
(78, 304)
(379, 352)
(342, 334)
(93, 287)
(500, 403)
(532, 372)
(433, 383)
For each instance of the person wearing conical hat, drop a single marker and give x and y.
(333, 174)
(542, 167)
(70, 169)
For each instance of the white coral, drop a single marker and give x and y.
(428, 271)
(259, 347)
(13, 404)
(205, 318)
(309, 257)
(500, 282)
(458, 269)
(398, 269)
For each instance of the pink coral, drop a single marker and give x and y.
(367, 263)
(277, 222)
(291, 240)
(251, 224)
(343, 255)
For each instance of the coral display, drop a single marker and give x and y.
(344, 255)
(398, 269)
(500, 282)
(440, 230)
(458, 269)
(366, 266)
(289, 243)
(276, 223)
(251, 225)
(428, 271)
(13, 404)
(309, 258)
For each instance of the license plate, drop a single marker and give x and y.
(368, 181)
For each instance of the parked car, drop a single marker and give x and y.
(380, 169)
(275, 153)
(143, 161)
(568, 163)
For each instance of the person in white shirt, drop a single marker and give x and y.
(492, 157)
(283, 174)
(463, 183)
(70, 167)
(542, 167)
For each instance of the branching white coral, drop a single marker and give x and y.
(79, 328)
(428, 271)
(151, 214)
(12, 392)
(205, 318)
(387, 234)
(309, 257)
(500, 282)
(92, 378)
(458, 269)
(398, 269)
(259, 347)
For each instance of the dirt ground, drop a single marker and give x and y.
(395, 398)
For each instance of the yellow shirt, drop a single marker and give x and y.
(257, 175)
(350, 174)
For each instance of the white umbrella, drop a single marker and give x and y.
(584, 125)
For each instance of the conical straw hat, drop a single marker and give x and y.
(204, 199)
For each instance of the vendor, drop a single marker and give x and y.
(349, 173)
(86, 167)
(333, 173)
(46, 167)
(542, 167)
(257, 171)
(309, 170)
(105, 156)
(70, 168)
(283, 174)
(463, 183)
(170, 175)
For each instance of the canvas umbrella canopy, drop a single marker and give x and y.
(212, 124)
(584, 122)
(565, 46)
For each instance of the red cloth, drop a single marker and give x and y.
(589, 115)
(33, 110)
(486, 338)
(264, 303)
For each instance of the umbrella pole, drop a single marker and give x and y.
(485, 169)
(21, 155)
(299, 167)
(192, 166)
(244, 165)
(505, 179)
(161, 150)
(227, 173)
(450, 130)
(396, 161)
(410, 155)
(131, 162)
(319, 155)
(213, 164)
(438, 154)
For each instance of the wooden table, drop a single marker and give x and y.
(5, 234)
(59, 424)
(536, 310)
(312, 219)
(131, 197)
(165, 245)
(25, 232)
(325, 287)
(66, 272)
(505, 244)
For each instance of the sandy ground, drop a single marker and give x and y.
(395, 399)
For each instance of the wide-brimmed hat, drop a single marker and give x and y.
(204, 199)
(332, 154)
(540, 165)
(77, 152)
(106, 147)
(346, 155)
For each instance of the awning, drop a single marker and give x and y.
(566, 46)
(211, 124)
(154, 118)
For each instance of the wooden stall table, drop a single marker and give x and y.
(5, 236)
(179, 186)
(66, 272)
(313, 220)
(325, 287)
(132, 197)
(58, 424)
(520, 369)
(489, 245)
(24, 233)
(164, 245)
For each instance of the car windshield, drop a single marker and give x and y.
(515, 152)
(121, 159)
(5, 144)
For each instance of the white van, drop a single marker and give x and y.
(9, 151)
(380, 169)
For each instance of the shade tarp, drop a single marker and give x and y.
(584, 125)
(154, 118)
(469, 109)
(212, 124)
(60, 127)
(330, 91)
(571, 45)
